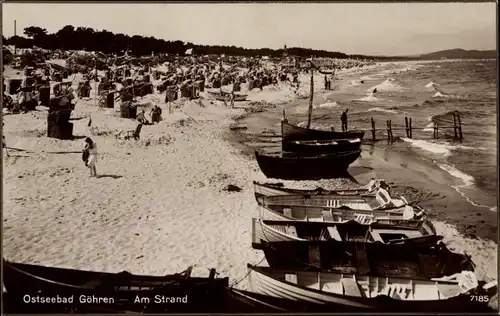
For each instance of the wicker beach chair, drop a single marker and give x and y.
(134, 134)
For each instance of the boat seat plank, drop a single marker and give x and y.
(351, 287)
(291, 277)
(334, 233)
(448, 290)
(327, 216)
(291, 230)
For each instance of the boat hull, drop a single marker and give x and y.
(122, 288)
(262, 281)
(262, 190)
(306, 168)
(293, 132)
(319, 147)
(424, 261)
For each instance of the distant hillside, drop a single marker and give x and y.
(460, 54)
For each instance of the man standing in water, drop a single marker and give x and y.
(343, 119)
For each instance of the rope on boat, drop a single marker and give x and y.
(246, 274)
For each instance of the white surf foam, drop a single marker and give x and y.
(431, 85)
(467, 181)
(434, 148)
(387, 85)
(369, 98)
(429, 127)
(328, 105)
(437, 148)
(382, 110)
(439, 94)
(452, 170)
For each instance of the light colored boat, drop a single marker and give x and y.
(364, 292)
(337, 215)
(406, 232)
(270, 189)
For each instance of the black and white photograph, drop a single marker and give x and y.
(249, 157)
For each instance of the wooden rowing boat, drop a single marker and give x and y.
(270, 189)
(380, 200)
(306, 168)
(25, 279)
(406, 232)
(321, 146)
(421, 261)
(338, 215)
(350, 292)
(293, 132)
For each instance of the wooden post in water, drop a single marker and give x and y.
(406, 127)
(373, 129)
(459, 127)
(410, 129)
(455, 128)
(311, 95)
(388, 131)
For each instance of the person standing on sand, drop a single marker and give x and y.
(91, 147)
(343, 119)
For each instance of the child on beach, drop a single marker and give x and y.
(91, 148)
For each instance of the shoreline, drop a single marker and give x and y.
(162, 203)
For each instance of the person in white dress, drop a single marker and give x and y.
(91, 147)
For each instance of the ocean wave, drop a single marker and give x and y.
(355, 83)
(369, 98)
(387, 85)
(431, 85)
(452, 170)
(467, 180)
(435, 148)
(382, 110)
(439, 95)
(327, 105)
(444, 148)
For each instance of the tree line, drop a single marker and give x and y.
(88, 39)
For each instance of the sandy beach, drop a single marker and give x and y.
(160, 204)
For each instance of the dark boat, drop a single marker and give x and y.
(410, 232)
(119, 289)
(377, 259)
(321, 146)
(351, 292)
(306, 168)
(293, 132)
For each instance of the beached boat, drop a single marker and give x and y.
(21, 279)
(421, 261)
(370, 293)
(410, 232)
(306, 168)
(294, 132)
(339, 215)
(326, 71)
(321, 146)
(226, 96)
(379, 201)
(270, 189)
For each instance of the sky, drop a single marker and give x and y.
(352, 28)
